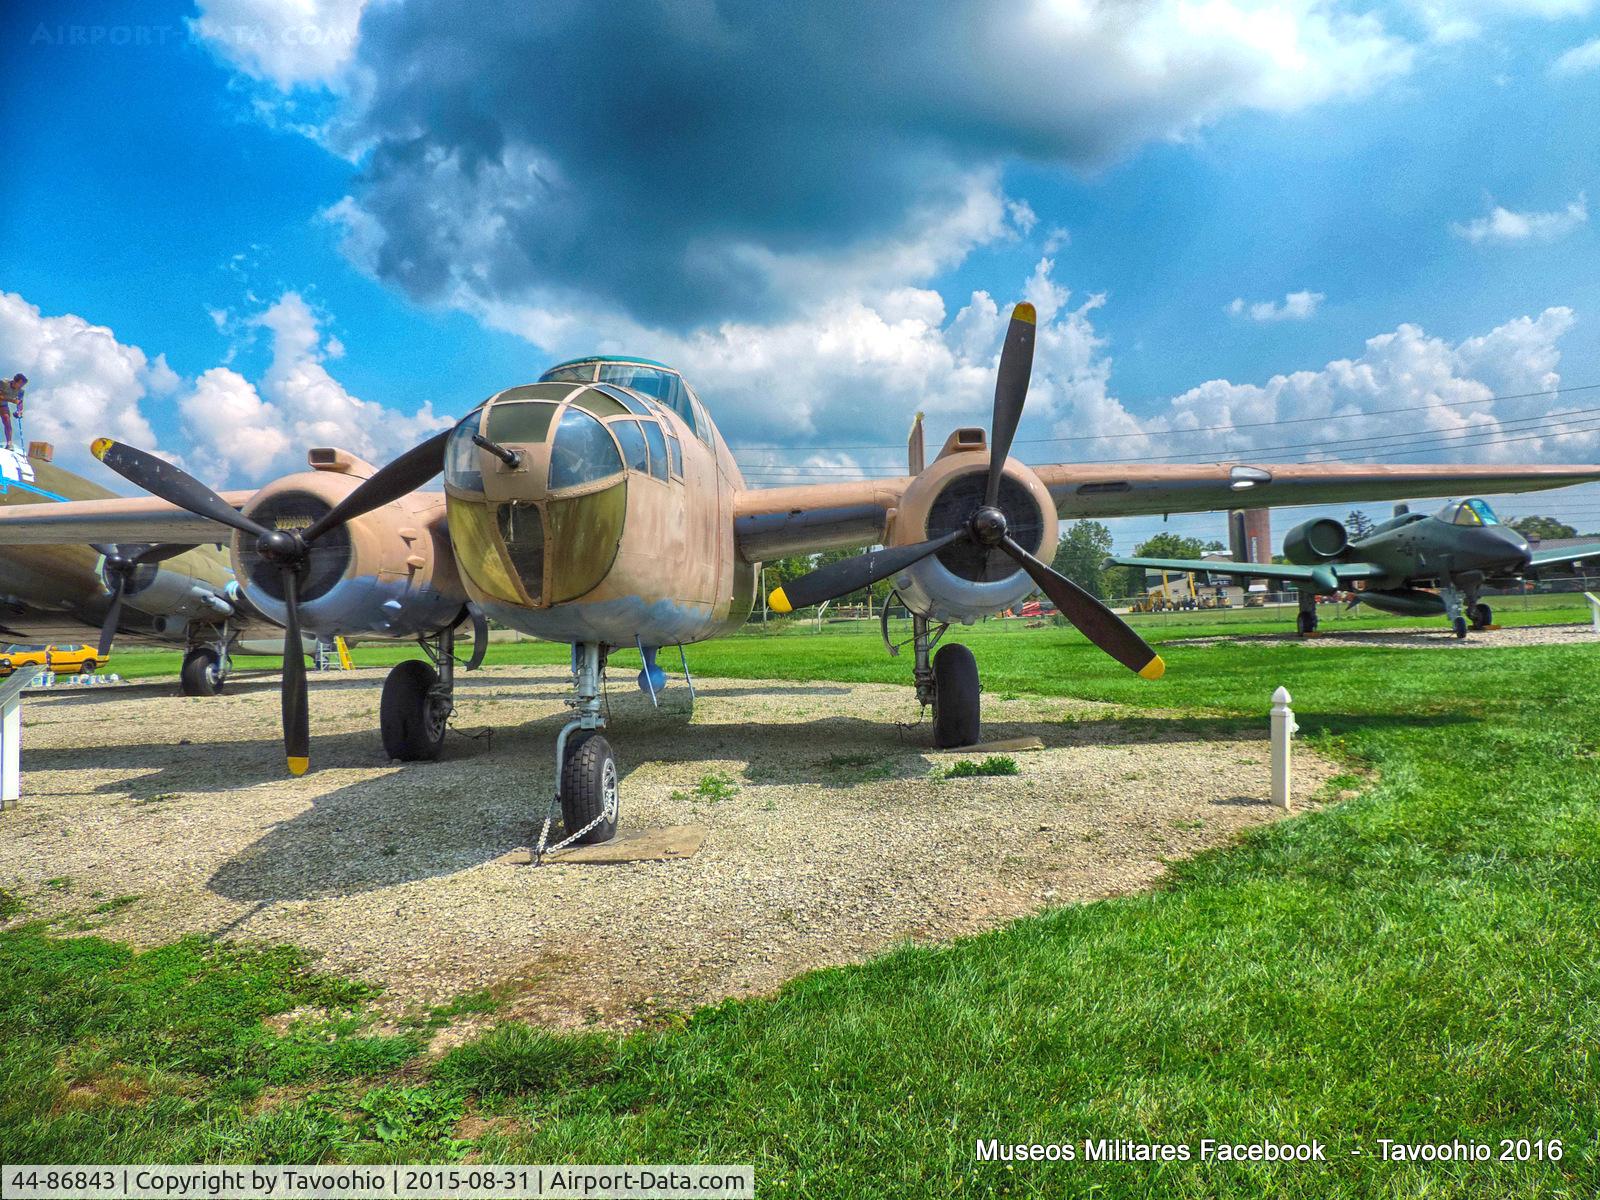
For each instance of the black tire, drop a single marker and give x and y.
(955, 697)
(588, 777)
(1482, 616)
(1306, 623)
(412, 722)
(202, 673)
(1460, 627)
(88, 667)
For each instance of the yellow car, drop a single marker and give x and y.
(62, 660)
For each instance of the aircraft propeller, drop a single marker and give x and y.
(287, 549)
(121, 563)
(987, 526)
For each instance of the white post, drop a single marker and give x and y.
(1283, 728)
(11, 737)
(1594, 609)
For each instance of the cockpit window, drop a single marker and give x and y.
(583, 451)
(633, 447)
(577, 373)
(1475, 512)
(461, 456)
(658, 449)
(664, 386)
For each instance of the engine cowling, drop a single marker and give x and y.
(389, 573)
(193, 586)
(1315, 541)
(965, 581)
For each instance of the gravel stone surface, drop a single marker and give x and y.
(831, 835)
(1426, 639)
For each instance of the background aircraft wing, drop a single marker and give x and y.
(137, 519)
(1560, 558)
(1325, 575)
(774, 522)
(1134, 489)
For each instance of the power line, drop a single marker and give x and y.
(1404, 443)
(1102, 437)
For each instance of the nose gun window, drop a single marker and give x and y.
(583, 451)
(461, 458)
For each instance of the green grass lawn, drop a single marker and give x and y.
(1421, 963)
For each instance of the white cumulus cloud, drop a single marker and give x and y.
(1296, 306)
(287, 43)
(1579, 60)
(1504, 226)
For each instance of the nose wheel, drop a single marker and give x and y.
(955, 697)
(589, 790)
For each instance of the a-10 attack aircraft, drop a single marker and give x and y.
(1459, 551)
(599, 506)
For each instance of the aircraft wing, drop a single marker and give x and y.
(1135, 489)
(1327, 576)
(136, 519)
(773, 522)
(1560, 558)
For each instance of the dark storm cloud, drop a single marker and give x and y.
(669, 158)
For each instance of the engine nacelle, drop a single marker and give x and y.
(388, 573)
(965, 581)
(189, 587)
(1315, 542)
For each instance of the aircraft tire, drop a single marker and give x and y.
(1459, 625)
(413, 731)
(955, 697)
(201, 674)
(1306, 623)
(1482, 616)
(588, 779)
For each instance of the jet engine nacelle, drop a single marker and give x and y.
(389, 573)
(1315, 542)
(179, 590)
(965, 581)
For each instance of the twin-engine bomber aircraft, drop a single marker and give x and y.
(1459, 550)
(599, 506)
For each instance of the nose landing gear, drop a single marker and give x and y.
(588, 796)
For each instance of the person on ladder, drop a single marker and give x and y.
(11, 394)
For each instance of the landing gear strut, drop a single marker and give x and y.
(587, 790)
(1306, 621)
(418, 699)
(1451, 595)
(206, 665)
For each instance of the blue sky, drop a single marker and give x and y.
(364, 239)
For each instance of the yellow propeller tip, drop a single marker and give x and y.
(297, 766)
(99, 446)
(1154, 669)
(778, 602)
(1024, 312)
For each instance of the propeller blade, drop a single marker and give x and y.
(852, 574)
(401, 477)
(480, 637)
(1010, 392)
(172, 484)
(1093, 619)
(108, 628)
(296, 724)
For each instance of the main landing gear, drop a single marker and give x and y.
(1305, 621)
(949, 682)
(206, 665)
(418, 698)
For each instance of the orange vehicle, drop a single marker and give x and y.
(63, 660)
